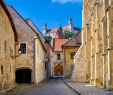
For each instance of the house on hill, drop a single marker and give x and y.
(62, 32)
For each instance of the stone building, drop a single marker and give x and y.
(46, 45)
(32, 51)
(69, 50)
(94, 57)
(8, 40)
(57, 66)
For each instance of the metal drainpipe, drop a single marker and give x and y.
(34, 79)
(64, 63)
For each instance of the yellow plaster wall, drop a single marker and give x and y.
(68, 61)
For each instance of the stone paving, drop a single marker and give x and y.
(87, 89)
(58, 87)
(51, 87)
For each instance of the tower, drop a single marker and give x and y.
(44, 29)
(70, 24)
(60, 32)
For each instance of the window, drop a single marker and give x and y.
(72, 55)
(23, 48)
(58, 57)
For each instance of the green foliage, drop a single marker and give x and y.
(48, 39)
(68, 34)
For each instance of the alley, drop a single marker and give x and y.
(51, 87)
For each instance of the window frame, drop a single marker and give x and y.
(26, 46)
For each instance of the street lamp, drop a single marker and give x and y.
(19, 53)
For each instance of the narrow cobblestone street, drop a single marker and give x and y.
(51, 87)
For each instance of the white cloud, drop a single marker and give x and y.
(66, 1)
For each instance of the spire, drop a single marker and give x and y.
(44, 29)
(70, 23)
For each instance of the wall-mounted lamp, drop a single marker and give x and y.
(19, 53)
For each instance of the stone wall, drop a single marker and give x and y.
(97, 42)
(7, 50)
(40, 65)
(55, 61)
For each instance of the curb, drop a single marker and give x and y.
(71, 88)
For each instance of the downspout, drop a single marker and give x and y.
(64, 62)
(34, 62)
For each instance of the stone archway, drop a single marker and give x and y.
(23, 75)
(58, 70)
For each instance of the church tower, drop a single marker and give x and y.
(60, 32)
(44, 29)
(70, 24)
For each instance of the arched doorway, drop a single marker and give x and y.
(58, 70)
(23, 76)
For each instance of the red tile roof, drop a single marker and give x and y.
(56, 36)
(58, 44)
(65, 28)
(56, 29)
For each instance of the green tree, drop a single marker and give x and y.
(68, 34)
(48, 39)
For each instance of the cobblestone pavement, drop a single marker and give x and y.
(86, 89)
(51, 87)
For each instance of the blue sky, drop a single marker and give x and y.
(53, 12)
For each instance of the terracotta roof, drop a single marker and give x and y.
(75, 41)
(58, 44)
(54, 30)
(56, 36)
(65, 28)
